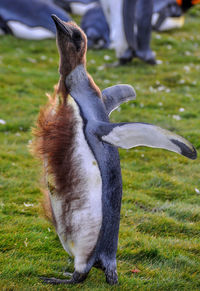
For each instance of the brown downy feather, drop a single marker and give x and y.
(54, 145)
(94, 86)
(46, 206)
(53, 142)
(70, 59)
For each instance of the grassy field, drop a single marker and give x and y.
(160, 218)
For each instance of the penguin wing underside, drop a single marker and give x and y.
(115, 95)
(129, 135)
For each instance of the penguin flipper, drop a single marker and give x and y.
(115, 95)
(129, 135)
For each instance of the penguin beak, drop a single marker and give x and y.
(60, 26)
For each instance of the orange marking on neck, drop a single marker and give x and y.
(179, 2)
(194, 2)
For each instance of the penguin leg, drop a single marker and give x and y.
(76, 278)
(129, 18)
(108, 265)
(111, 276)
(144, 13)
(111, 273)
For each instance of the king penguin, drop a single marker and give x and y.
(78, 146)
(130, 29)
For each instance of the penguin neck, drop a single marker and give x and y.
(79, 79)
(70, 81)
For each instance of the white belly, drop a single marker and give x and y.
(24, 31)
(113, 12)
(85, 220)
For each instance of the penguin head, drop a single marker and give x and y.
(72, 45)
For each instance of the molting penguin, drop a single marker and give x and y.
(78, 146)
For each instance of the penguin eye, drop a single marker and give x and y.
(77, 36)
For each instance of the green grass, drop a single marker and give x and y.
(160, 217)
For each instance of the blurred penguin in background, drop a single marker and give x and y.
(96, 28)
(169, 14)
(78, 7)
(130, 28)
(29, 19)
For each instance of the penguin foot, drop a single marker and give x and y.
(111, 277)
(55, 281)
(123, 61)
(126, 57)
(151, 62)
(146, 56)
(76, 278)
